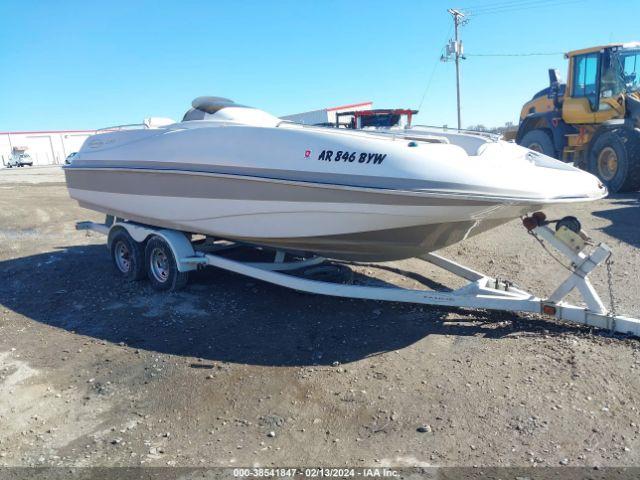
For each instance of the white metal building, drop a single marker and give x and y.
(326, 115)
(45, 148)
(52, 147)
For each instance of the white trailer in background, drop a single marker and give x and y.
(167, 256)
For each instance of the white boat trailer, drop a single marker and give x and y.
(481, 291)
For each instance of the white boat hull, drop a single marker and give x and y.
(366, 226)
(243, 176)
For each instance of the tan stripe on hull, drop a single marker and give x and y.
(178, 184)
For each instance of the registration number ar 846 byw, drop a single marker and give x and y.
(359, 157)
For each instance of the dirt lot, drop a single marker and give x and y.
(235, 372)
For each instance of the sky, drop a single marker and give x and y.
(85, 65)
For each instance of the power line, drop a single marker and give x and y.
(505, 5)
(533, 54)
(484, 5)
(424, 94)
(433, 71)
(509, 7)
(524, 7)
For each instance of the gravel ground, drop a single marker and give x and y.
(236, 372)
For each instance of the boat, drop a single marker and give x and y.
(234, 172)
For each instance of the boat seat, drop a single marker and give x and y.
(468, 143)
(203, 107)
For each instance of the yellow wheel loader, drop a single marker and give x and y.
(594, 119)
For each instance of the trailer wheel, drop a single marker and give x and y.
(127, 255)
(162, 268)
(615, 159)
(539, 141)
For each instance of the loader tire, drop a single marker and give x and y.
(615, 159)
(539, 141)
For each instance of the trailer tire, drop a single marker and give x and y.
(127, 255)
(615, 159)
(162, 268)
(539, 141)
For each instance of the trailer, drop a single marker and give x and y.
(167, 256)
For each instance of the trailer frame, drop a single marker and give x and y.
(480, 292)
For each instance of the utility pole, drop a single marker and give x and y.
(455, 49)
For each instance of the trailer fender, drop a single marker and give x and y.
(178, 242)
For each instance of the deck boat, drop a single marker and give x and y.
(234, 172)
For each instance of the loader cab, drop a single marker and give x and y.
(596, 84)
